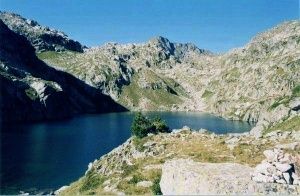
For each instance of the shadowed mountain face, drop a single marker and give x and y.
(31, 90)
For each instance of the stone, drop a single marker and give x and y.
(187, 177)
(287, 177)
(144, 184)
(150, 144)
(60, 190)
(262, 178)
(271, 134)
(263, 168)
(257, 131)
(202, 131)
(281, 181)
(186, 128)
(288, 159)
(295, 104)
(283, 167)
(297, 165)
(176, 131)
(270, 155)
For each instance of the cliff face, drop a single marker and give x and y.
(31, 90)
(41, 37)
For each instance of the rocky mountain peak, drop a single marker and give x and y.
(160, 41)
(42, 38)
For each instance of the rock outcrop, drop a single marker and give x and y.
(278, 167)
(41, 37)
(186, 177)
(31, 90)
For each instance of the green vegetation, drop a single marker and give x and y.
(155, 187)
(279, 101)
(284, 99)
(48, 55)
(135, 96)
(91, 181)
(232, 74)
(31, 93)
(280, 71)
(207, 94)
(296, 91)
(290, 124)
(142, 126)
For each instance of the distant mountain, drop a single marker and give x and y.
(133, 73)
(31, 90)
(41, 37)
(259, 82)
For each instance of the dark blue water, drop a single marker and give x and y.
(45, 156)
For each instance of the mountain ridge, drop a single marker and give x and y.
(257, 82)
(42, 38)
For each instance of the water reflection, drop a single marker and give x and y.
(51, 154)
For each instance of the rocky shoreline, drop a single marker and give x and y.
(191, 156)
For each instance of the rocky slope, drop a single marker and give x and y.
(31, 90)
(177, 163)
(41, 37)
(258, 82)
(129, 73)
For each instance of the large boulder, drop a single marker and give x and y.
(186, 177)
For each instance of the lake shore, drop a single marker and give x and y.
(135, 167)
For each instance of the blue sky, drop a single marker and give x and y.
(217, 25)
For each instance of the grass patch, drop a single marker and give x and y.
(245, 153)
(31, 93)
(207, 94)
(296, 91)
(279, 101)
(91, 181)
(156, 187)
(139, 142)
(287, 125)
(135, 179)
(233, 74)
(128, 169)
(133, 95)
(132, 189)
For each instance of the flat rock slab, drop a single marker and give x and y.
(186, 177)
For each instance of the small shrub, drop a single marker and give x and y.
(142, 126)
(155, 187)
(31, 93)
(296, 91)
(207, 94)
(135, 179)
(128, 169)
(160, 125)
